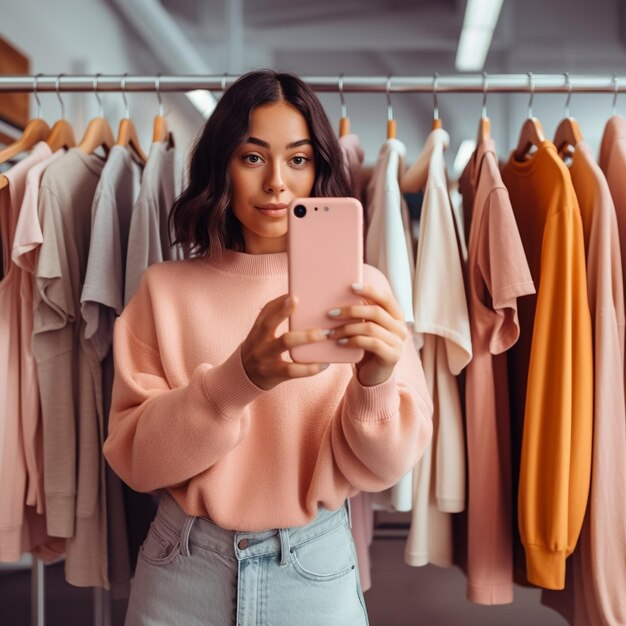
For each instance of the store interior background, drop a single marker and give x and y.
(327, 38)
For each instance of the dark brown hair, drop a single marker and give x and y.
(201, 218)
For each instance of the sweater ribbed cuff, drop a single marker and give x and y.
(545, 568)
(372, 404)
(228, 387)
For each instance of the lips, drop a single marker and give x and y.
(274, 210)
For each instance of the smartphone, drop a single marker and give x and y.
(325, 257)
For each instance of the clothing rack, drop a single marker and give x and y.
(461, 83)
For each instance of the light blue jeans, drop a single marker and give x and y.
(190, 572)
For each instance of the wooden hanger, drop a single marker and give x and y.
(62, 134)
(436, 118)
(160, 129)
(484, 125)
(36, 130)
(566, 136)
(414, 178)
(127, 136)
(532, 131)
(344, 122)
(568, 133)
(530, 135)
(127, 133)
(98, 133)
(391, 122)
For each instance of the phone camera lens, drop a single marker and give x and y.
(299, 210)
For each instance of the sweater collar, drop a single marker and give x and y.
(233, 262)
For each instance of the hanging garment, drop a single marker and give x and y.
(22, 528)
(442, 331)
(26, 242)
(612, 161)
(353, 156)
(497, 275)
(388, 248)
(596, 594)
(149, 228)
(69, 370)
(102, 300)
(550, 367)
(362, 513)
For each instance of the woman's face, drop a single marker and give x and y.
(273, 165)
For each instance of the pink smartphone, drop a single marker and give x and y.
(325, 252)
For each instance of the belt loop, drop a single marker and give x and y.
(184, 535)
(284, 546)
(349, 510)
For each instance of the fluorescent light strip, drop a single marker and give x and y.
(481, 17)
(203, 100)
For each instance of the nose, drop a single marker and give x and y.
(275, 182)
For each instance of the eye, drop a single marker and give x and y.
(252, 159)
(300, 161)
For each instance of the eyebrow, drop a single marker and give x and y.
(265, 144)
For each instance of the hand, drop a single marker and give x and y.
(380, 331)
(261, 350)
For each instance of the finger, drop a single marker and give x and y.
(385, 299)
(372, 313)
(386, 353)
(367, 329)
(274, 312)
(294, 338)
(302, 370)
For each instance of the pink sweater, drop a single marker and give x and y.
(185, 416)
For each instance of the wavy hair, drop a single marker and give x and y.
(201, 219)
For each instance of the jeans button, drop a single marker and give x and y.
(243, 544)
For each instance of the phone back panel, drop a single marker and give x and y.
(325, 250)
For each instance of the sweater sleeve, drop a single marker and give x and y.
(381, 432)
(161, 435)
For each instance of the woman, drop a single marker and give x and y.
(254, 455)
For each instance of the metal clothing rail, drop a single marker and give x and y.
(435, 84)
(461, 83)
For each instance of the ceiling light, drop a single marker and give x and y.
(203, 100)
(481, 17)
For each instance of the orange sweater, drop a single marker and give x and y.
(185, 417)
(551, 367)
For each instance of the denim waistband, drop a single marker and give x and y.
(241, 545)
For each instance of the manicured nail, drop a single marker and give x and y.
(288, 302)
(331, 332)
(334, 313)
(358, 286)
(325, 332)
(343, 341)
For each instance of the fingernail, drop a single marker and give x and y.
(358, 286)
(334, 313)
(288, 302)
(343, 341)
(325, 332)
(324, 366)
(331, 332)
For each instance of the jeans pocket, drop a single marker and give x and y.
(327, 557)
(161, 545)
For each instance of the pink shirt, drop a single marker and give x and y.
(21, 527)
(497, 274)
